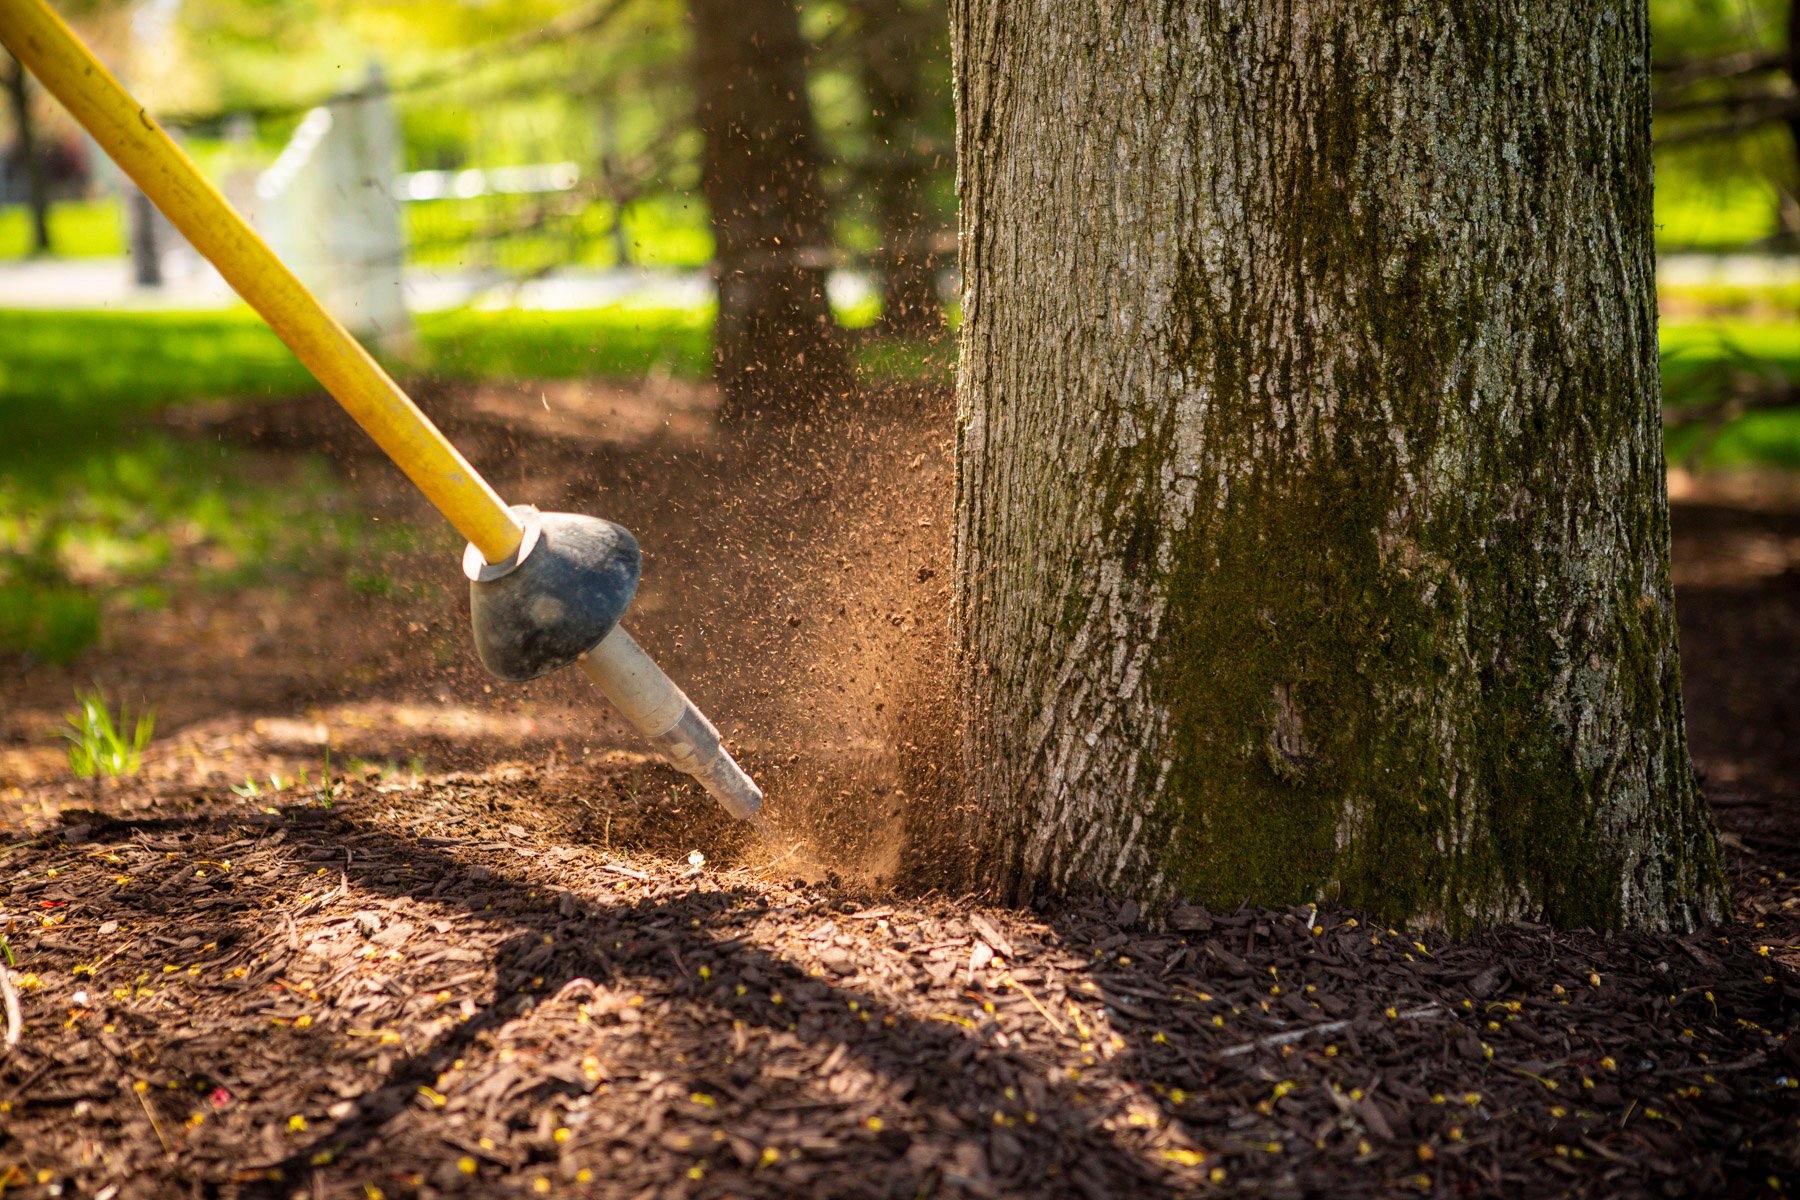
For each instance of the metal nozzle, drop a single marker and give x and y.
(665, 716)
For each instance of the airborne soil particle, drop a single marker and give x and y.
(498, 975)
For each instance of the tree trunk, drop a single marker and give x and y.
(1312, 535)
(775, 344)
(1793, 122)
(37, 185)
(890, 58)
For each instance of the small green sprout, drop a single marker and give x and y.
(97, 744)
(249, 789)
(325, 788)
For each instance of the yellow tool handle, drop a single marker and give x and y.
(38, 38)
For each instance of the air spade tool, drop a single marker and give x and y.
(546, 589)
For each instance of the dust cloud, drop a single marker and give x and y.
(796, 584)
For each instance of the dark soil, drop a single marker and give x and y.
(495, 971)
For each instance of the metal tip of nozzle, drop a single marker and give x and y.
(727, 783)
(669, 721)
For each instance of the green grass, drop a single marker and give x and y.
(1690, 349)
(68, 379)
(1730, 300)
(1719, 195)
(117, 526)
(78, 229)
(1758, 439)
(912, 361)
(512, 344)
(101, 512)
(82, 371)
(514, 233)
(51, 621)
(487, 231)
(1696, 355)
(1694, 214)
(625, 341)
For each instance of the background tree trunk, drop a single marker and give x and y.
(37, 184)
(775, 343)
(1312, 536)
(890, 51)
(1793, 121)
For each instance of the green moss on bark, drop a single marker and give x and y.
(1427, 770)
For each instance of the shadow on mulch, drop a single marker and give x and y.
(521, 1015)
(1737, 576)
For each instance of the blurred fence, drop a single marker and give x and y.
(566, 149)
(518, 220)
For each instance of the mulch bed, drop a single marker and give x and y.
(503, 975)
(425, 990)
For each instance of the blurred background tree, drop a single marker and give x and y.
(23, 159)
(1727, 88)
(1728, 121)
(775, 342)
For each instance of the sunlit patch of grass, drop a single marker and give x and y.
(517, 233)
(1767, 302)
(99, 513)
(1758, 439)
(860, 314)
(518, 344)
(92, 364)
(68, 379)
(115, 529)
(1697, 209)
(78, 229)
(503, 231)
(904, 359)
(626, 340)
(1690, 348)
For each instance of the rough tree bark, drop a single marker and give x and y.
(1312, 538)
(37, 184)
(891, 51)
(775, 344)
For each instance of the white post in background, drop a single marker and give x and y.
(141, 223)
(327, 206)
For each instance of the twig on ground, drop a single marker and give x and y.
(1294, 1035)
(1024, 991)
(154, 1123)
(15, 1019)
